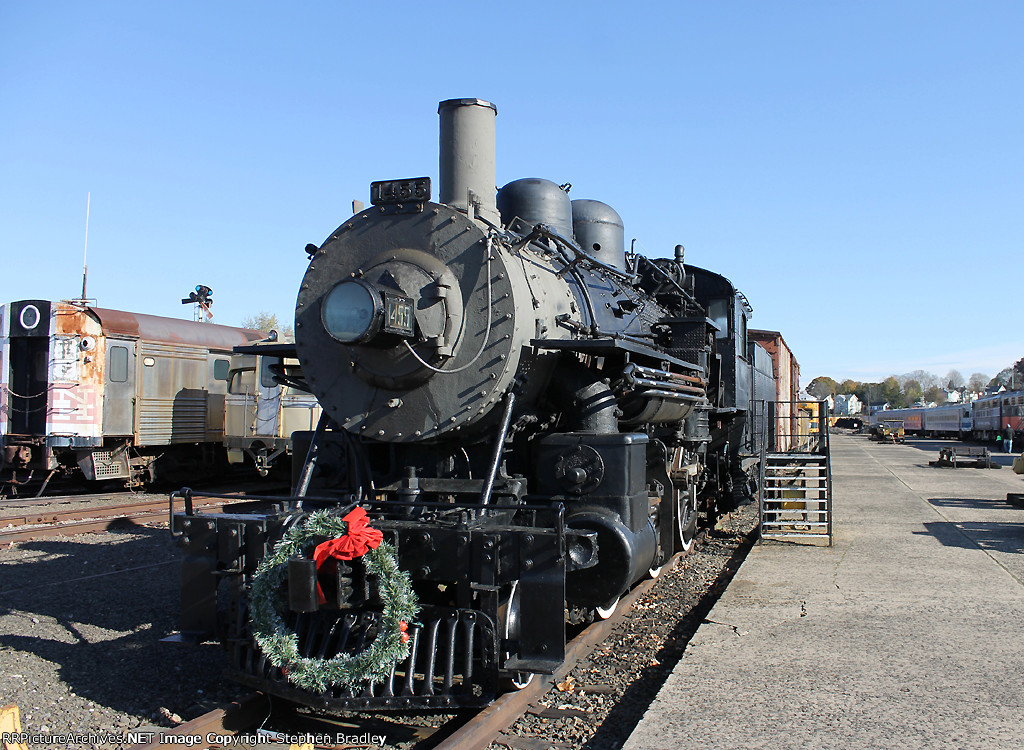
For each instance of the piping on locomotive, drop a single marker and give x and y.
(533, 418)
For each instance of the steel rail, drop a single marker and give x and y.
(234, 719)
(92, 519)
(29, 502)
(85, 512)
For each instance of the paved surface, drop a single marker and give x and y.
(908, 633)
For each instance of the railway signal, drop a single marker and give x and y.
(202, 298)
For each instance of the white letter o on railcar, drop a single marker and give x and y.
(29, 312)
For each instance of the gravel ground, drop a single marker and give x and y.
(81, 620)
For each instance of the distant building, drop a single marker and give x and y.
(847, 405)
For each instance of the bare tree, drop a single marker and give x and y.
(954, 379)
(978, 381)
(923, 378)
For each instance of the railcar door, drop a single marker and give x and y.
(29, 358)
(119, 389)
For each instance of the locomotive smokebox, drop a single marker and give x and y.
(468, 155)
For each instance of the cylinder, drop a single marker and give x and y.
(531, 201)
(599, 231)
(623, 557)
(468, 155)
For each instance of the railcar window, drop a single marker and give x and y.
(718, 311)
(117, 366)
(266, 376)
(220, 369)
(243, 381)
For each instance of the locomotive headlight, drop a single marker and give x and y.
(355, 311)
(352, 311)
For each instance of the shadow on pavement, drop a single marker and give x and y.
(994, 537)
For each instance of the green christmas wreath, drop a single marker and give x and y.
(280, 644)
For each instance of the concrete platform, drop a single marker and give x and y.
(909, 632)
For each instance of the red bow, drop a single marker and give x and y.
(359, 540)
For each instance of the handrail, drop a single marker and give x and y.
(761, 467)
(801, 438)
(828, 469)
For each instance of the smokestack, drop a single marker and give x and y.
(467, 155)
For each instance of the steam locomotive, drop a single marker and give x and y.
(531, 418)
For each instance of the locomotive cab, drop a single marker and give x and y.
(738, 410)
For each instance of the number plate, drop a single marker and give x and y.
(391, 192)
(398, 315)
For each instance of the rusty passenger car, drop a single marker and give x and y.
(110, 395)
(261, 413)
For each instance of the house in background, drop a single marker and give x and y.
(847, 405)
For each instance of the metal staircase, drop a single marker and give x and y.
(795, 488)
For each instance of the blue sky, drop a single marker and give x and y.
(857, 169)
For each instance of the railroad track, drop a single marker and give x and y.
(237, 488)
(48, 520)
(37, 502)
(29, 490)
(247, 718)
